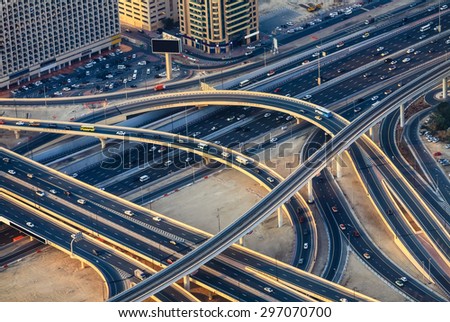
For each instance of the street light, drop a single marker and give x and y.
(75, 237)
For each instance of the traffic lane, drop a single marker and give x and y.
(61, 237)
(401, 229)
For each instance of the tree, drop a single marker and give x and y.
(440, 119)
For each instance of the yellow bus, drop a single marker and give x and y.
(87, 128)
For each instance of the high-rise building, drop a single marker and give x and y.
(38, 36)
(147, 14)
(216, 26)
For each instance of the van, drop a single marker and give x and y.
(144, 178)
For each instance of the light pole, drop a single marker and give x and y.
(218, 217)
(75, 237)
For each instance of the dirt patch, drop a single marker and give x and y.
(50, 276)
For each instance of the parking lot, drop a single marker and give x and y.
(121, 69)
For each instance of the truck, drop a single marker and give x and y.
(242, 160)
(311, 7)
(159, 87)
(139, 274)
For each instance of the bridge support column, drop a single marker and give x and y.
(298, 120)
(17, 134)
(103, 143)
(83, 266)
(337, 160)
(187, 283)
(210, 295)
(310, 192)
(241, 241)
(444, 88)
(402, 115)
(280, 217)
(206, 161)
(371, 133)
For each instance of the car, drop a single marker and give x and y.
(156, 218)
(340, 70)
(384, 53)
(268, 289)
(11, 172)
(289, 117)
(357, 109)
(423, 36)
(316, 54)
(380, 48)
(342, 226)
(40, 193)
(188, 159)
(410, 50)
(388, 91)
(399, 283)
(121, 132)
(66, 89)
(270, 73)
(343, 299)
(407, 59)
(277, 90)
(365, 75)
(20, 123)
(374, 98)
(305, 246)
(30, 175)
(81, 201)
(318, 117)
(444, 7)
(340, 44)
(355, 233)
(366, 255)
(284, 127)
(417, 52)
(167, 163)
(306, 97)
(30, 224)
(128, 213)
(365, 35)
(162, 149)
(270, 179)
(273, 140)
(334, 208)
(393, 62)
(142, 63)
(403, 279)
(267, 115)
(248, 53)
(305, 62)
(75, 174)
(393, 67)
(53, 191)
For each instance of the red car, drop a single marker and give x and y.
(355, 233)
(2, 122)
(342, 226)
(270, 73)
(278, 89)
(436, 154)
(334, 209)
(302, 219)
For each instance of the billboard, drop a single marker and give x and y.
(162, 46)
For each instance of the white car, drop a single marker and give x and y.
(81, 201)
(20, 123)
(306, 97)
(40, 193)
(156, 218)
(270, 179)
(316, 54)
(410, 50)
(11, 171)
(75, 175)
(444, 7)
(268, 289)
(374, 98)
(121, 132)
(267, 115)
(142, 63)
(128, 213)
(406, 59)
(30, 224)
(273, 140)
(305, 246)
(403, 279)
(66, 89)
(53, 191)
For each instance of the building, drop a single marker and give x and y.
(39, 36)
(147, 14)
(215, 26)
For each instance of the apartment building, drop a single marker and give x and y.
(147, 14)
(39, 36)
(215, 26)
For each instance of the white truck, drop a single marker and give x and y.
(242, 160)
(139, 274)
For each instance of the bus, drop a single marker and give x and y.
(323, 113)
(87, 128)
(244, 83)
(242, 160)
(425, 28)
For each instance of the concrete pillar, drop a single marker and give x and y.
(82, 265)
(444, 88)
(241, 241)
(168, 66)
(402, 115)
(298, 120)
(210, 295)
(17, 134)
(103, 143)
(280, 217)
(310, 192)
(187, 283)
(338, 166)
(206, 161)
(371, 133)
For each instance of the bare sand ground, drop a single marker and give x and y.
(50, 276)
